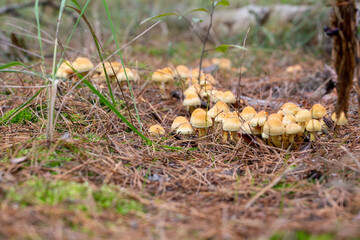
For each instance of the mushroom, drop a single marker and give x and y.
(291, 130)
(131, 76)
(82, 65)
(302, 117)
(229, 98)
(274, 128)
(342, 120)
(156, 130)
(162, 76)
(288, 119)
(201, 121)
(231, 123)
(182, 71)
(289, 108)
(312, 127)
(191, 101)
(185, 129)
(318, 111)
(247, 113)
(219, 107)
(247, 128)
(64, 70)
(178, 121)
(259, 120)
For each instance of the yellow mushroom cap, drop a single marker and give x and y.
(130, 74)
(273, 127)
(247, 128)
(225, 64)
(228, 97)
(232, 124)
(218, 108)
(192, 99)
(288, 119)
(275, 115)
(82, 64)
(183, 71)
(342, 119)
(200, 120)
(64, 70)
(111, 68)
(303, 115)
(185, 129)
(207, 79)
(216, 96)
(177, 122)
(247, 113)
(292, 128)
(318, 111)
(220, 117)
(156, 130)
(195, 73)
(193, 88)
(259, 119)
(163, 75)
(289, 108)
(313, 126)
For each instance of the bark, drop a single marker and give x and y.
(343, 19)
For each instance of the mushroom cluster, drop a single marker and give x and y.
(281, 129)
(114, 70)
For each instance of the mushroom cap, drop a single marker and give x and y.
(303, 115)
(289, 108)
(193, 88)
(264, 135)
(288, 119)
(342, 119)
(259, 119)
(313, 126)
(232, 124)
(64, 70)
(216, 96)
(247, 128)
(228, 97)
(218, 108)
(206, 79)
(318, 111)
(109, 68)
(192, 99)
(195, 73)
(273, 127)
(178, 121)
(163, 75)
(130, 74)
(197, 111)
(225, 64)
(183, 71)
(82, 64)
(156, 130)
(220, 117)
(185, 129)
(275, 115)
(201, 120)
(247, 113)
(292, 128)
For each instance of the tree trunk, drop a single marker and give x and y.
(343, 20)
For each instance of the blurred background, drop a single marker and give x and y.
(276, 28)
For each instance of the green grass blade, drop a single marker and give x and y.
(36, 10)
(5, 66)
(98, 47)
(122, 62)
(22, 71)
(107, 103)
(22, 106)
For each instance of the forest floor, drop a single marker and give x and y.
(99, 179)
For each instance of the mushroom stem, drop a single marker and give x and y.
(225, 136)
(191, 109)
(233, 135)
(276, 140)
(312, 136)
(292, 138)
(202, 132)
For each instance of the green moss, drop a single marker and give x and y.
(22, 117)
(71, 195)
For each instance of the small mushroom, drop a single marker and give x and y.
(156, 130)
(289, 108)
(191, 101)
(201, 121)
(312, 127)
